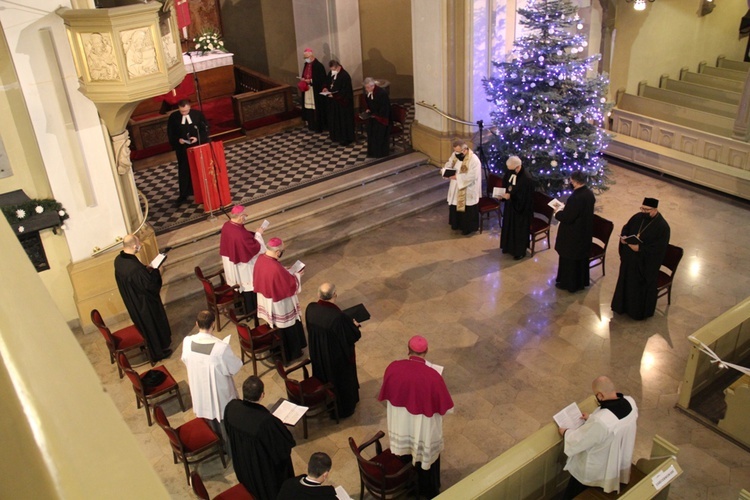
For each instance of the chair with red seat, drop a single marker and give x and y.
(124, 340)
(192, 442)
(488, 204)
(310, 392)
(540, 222)
(672, 259)
(384, 475)
(602, 231)
(146, 395)
(236, 492)
(398, 125)
(259, 343)
(220, 298)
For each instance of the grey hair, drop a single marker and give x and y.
(460, 144)
(368, 81)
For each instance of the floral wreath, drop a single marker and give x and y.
(17, 214)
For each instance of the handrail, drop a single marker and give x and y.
(436, 110)
(98, 251)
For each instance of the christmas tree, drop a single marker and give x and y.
(546, 110)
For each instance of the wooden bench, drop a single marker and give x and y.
(698, 90)
(737, 398)
(687, 100)
(730, 74)
(723, 62)
(711, 81)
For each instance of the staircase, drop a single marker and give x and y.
(311, 218)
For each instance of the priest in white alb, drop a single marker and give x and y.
(417, 398)
(277, 288)
(239, 249)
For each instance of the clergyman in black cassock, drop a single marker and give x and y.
(378, 126)
(340, 105)
(635, 293)
(310, 486)
(331, 337)
(314, 75)
(261, 444)
(574, 236)
(518, 210)
(185, 128)
(139, 288)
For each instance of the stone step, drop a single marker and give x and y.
(311, 218)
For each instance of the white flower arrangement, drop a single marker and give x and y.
(21, 229)
(20, 213)
(39, 209)
(209, 40)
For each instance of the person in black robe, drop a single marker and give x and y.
(314, 78)
(260, 443)
(139, 287)
(635, 293)
(310, 486)
(379, 123)
(331, 337)
(185, 128)
(518, 210)
(340, 104)
(574, 236)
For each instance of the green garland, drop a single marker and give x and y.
(17, 214)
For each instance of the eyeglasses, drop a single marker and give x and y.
(646, 210)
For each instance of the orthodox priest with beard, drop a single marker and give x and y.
(640, 260)
(518, 211)
(574, 236)
(332, 335)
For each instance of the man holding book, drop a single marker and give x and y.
(464, 170)
(239, 249)
(643, 243)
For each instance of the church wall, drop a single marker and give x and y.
(281, 42)
(671, 34)
(387, 44)
(244, 33)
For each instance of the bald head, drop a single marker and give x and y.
(131, 244)
(604, 386)
(327, 291)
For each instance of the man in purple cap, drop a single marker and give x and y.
(417, 398)
(239, 249)
(643, 243)
(277, 288)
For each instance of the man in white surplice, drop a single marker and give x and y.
(210, 365)
(601, 450)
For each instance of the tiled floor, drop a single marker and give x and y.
(515, 349)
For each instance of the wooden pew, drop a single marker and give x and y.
(723, 62)
(711, 81)
(697, 90)
(737, 398)
(687, 100)
(727, 73)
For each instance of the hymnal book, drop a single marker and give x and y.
(341, 493)
(158, 260)
(364, 115)
(569, 417)
(556, 205)
(449, 172)
(288, 412)
(358, 313)
(498, 192)
(435, 367)
(328, 92)
(265, 225)
(632, 239)
(297, 267)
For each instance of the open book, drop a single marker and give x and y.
(341, 493)
(296, 267)
(158, 260)
(569, 417)
(632, 239)
(289, 413)
(498, 192)
(435, 367)
(449, 172)
(358, 313)
(265, 225)
(556, 205)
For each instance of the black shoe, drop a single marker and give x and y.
(179, 201)
(466, 233)
(166, 353)
(518, 257)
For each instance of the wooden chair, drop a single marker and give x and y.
(385, 475)
(398, 125)
(488, 204)
(598, 251)
(220, 298)
(236, 492)
(121, 341)
(310, 392)
(664, 281)
(192, 442)
(540, 223)
(148, 395)
(360, 125)
(259, 343)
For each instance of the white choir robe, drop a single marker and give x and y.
(601, 450)
(471, 180)
(210, 375)
(284, 313)
(242, 273)
(426, 431)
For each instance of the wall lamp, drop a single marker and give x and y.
(639, 4)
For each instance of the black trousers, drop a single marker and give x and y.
(467, 222)
(183, 172)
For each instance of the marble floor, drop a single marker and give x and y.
(515, 349)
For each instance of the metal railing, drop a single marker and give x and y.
(99, 251)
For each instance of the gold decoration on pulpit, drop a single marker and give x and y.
(140, 52)
(100, 56)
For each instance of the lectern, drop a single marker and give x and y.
(208, 172)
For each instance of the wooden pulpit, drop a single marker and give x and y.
(208, 172)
